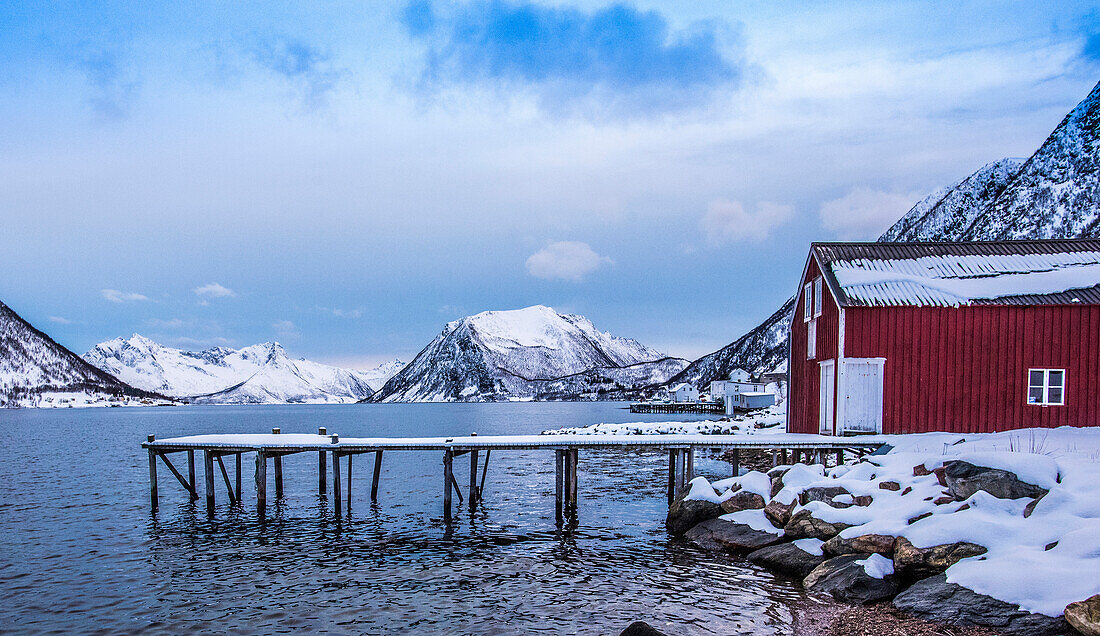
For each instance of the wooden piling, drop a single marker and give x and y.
(261, 483)
(448, 458)
(237, 468)
(234, 497)
(671, 476)
(191, 473)
(484, 470)
(559, 485)
(735, 462)
(377, 476)
(208, 465)
(336, 483)
(473, 496)
(348, 494)
(153, 498)
(277, 459)
(322, 469)
(839, 457)
(573, 452)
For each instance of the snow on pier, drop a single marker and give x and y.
(274, 446)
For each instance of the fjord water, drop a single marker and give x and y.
(80, 550)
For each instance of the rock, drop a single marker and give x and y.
(803, 525)
(1030, 507)
(937, 600)
(821, 493)
(965, 479)
(779, 514)
(908, 489)
(776, 475)
(863, 500)
(844, 579)
(719, 534)
(915, 562)
(1084, 616)
(920, 471)
(941, 475)
(890, 485)
(684, 514)
(863, 544)
(640, 628)
(946, 499)
(786, 558)
(917, 518)
(743, 501)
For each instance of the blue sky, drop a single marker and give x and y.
(347, 177)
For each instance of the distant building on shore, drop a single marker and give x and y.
(961, 337)
(684, 392)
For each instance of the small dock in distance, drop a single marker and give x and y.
(712, 408)
(331, 449)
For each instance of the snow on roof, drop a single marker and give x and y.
(954, 277)
(683, 386)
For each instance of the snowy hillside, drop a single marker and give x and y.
(1054, 194)
(36, 371)
(381, 374)
(499, 355)
(947, 215)
(260, 374)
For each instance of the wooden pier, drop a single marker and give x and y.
(713, 408)
(332, 450)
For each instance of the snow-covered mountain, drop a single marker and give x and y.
(381, 374)
(524, 353)
(1053, 194)
(36, 371)
(260, 374)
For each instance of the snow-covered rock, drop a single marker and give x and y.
(532, 353)
(260, 374)
(35, 371)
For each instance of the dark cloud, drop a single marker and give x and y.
(616, 54)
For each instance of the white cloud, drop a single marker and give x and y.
(117, 296)
(864, 213)
(285, 329)
(61, 321)
(340, 313)
(566, 260)
(214, 290)
(185, 341)
(174, 323)
(729, 221)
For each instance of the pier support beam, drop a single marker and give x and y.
(153, 498)
(839, 456)
(208, 465)
(350, 457)
(336, 483)
(448, 477)
(735, 461)
(377, 476)
(191, 473)
(559, 486)
(322, 469)
(261, 483)
(570, 483)
(474, 495)
(672, 479)
(277, 459)
(237, 461)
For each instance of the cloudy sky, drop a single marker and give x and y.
(345, 177)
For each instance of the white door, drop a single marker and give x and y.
(825, 399)
(861, 388)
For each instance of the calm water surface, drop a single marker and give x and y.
(80, 551)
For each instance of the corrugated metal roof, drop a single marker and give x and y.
(1034, 272)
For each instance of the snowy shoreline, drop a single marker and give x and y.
(1011, 516)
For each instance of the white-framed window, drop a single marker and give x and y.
(811, 339)
(817, 296)
(807, 302)
(1046, 387)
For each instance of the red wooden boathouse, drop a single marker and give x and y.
(960, 337)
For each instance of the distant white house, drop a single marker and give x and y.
(684, 392)
(740, 383)
(751, 400)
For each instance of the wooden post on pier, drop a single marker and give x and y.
(336, 495)
(571, 482)
(261, 483)
(672, 475)
(191, 470)
(484, 471)
(735, 462)
(277, 459)
(474, 495)
(377, 476)
(559, 485)
(208, 465)
(153, 499)
(350, 456)
(689, 473)
(448, 477)
(237, 461)
(322, 469)
(839, 457)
